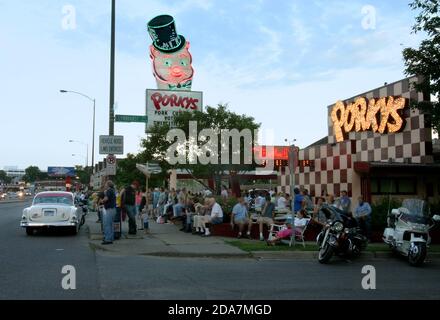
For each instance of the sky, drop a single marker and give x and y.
(280, 61)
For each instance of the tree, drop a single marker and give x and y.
(425, 60)
(4, 177)
(32, 174)
(212, 146)
(127, 172)
(83, 174)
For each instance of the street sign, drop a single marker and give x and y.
(111, 159)
(111, 144)
(130, 118)
(110, 165)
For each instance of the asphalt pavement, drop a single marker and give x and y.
(31, 266)
(31, 269)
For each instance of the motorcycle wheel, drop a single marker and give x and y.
(325, 253)
(417, 257)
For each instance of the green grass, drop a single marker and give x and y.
(252, 245)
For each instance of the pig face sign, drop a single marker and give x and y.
(173, 71)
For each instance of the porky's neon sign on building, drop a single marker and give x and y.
(382, 115)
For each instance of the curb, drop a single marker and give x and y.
(95, 246)
(14, 201)
(314, 255)
(198, 255)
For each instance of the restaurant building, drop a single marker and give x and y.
(376, 146)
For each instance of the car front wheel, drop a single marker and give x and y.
(73, 231)
(29, 231)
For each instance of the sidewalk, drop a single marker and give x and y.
(163, 240)
(166, 240)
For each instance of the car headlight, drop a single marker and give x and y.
(338, 226)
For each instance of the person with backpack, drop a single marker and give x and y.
(128, 202)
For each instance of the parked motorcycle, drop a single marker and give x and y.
(340, 236)
(408, 230)
(84, 204)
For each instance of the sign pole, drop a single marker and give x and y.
(112, 72)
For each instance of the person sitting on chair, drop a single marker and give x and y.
(267, 216)
(299, 223)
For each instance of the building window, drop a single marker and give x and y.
(384, 186)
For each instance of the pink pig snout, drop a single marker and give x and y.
(176, 71)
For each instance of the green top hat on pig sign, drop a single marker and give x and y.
(162, 30)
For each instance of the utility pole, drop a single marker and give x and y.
(112, 73)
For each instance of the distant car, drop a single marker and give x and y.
(20, 194)
(3, 196)
(52, 209)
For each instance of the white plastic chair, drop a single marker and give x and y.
(274, 229)
(299, 236)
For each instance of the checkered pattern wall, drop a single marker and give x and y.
(333, 171)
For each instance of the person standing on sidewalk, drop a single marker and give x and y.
(362, 214)
(99, 200)
(162, 202)
(143, 207)
(109, 202)
(118, 216)
(128, 202)
(156, 195)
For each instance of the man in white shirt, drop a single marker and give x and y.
(216, 216)
(259, 202)
(281, 202)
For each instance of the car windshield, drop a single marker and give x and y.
(54, 199)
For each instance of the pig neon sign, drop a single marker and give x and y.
(382, 115)
(172, 61)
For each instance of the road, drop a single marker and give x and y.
(31, 266)
(31, 269)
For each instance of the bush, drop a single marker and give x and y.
(227, 205)
(380, 212)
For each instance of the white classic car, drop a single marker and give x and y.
(52, 209)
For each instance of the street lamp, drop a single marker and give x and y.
(87, 149)
(94, 109)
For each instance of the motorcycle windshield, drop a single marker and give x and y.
(331, 213)
(412, 218)
(416, 207)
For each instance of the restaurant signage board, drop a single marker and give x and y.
(163, 105)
